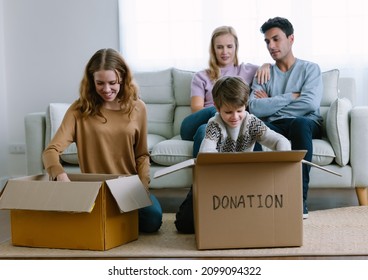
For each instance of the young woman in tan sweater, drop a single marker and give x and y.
(108, 123)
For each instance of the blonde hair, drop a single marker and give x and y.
(214, 71)
(89, 102)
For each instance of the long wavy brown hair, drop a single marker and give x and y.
(89, 102)
(214, 71)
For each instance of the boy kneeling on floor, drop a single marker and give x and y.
(232, 129)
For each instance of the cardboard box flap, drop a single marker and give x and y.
(215, 158)
(174, 167)
(320, 167)
(41, 195)
(129, 193)
(244, 157)
(91, 177)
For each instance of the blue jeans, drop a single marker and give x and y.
(300, 131)
(193, 127)
(150, 217)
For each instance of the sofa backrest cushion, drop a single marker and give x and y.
(182, 85)
(54, 115)
(330, 86)
(155, 89)
(347, 89)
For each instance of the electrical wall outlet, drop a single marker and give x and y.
(17, 149)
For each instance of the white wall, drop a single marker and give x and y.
(45, 48)
(3, 113)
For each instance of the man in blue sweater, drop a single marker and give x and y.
(289, 102)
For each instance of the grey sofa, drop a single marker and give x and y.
(166, 93)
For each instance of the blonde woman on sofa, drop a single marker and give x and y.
(108, 123)
(231, 130)
(223, 61)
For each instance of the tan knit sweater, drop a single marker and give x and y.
(115, 146)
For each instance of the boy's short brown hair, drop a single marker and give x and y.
(232, 91)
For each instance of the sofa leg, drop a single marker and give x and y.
(362, 194)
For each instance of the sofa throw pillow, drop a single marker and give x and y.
(323, 153)
(54, 117)
(330, 81)
(172, 151)
(337, 129)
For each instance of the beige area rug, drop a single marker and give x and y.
(333, 232)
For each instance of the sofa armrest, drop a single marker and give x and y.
(35, 127)
(359, 145)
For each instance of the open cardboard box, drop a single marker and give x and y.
(93, 211)
(246, 200)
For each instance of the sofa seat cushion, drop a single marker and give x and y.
(172, 151)
(323, 153)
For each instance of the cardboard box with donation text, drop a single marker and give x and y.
(246, 200)
(93, 211)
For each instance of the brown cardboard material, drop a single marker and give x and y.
(247, 200)
(92, 212)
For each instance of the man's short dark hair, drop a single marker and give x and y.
(279, 22)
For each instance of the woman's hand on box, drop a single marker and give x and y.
(62, 177)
